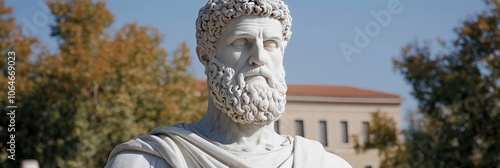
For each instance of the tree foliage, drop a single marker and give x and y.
(383, 136)
(458, 119)
(99, 89)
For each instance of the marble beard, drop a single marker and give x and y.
(247, 103)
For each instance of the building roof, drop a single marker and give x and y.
(325, 91)
(335, 91)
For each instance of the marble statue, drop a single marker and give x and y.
(241, 43)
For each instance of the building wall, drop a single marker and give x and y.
(312, 112)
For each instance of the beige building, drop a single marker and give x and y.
(331, 114)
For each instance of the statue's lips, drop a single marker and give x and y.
(256, 78)
(259, 74)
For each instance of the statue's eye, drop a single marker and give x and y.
(240, 43)
(271, 44)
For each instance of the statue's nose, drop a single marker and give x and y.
(258, 55)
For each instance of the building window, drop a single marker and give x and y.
(277, 126)
(323, 135)
(299, 128)
(345, 132)
(366, 131)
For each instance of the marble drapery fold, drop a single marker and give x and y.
(179, 146)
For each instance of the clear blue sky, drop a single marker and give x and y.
(319, 27)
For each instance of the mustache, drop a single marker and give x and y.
(261, 71)
(258, 71)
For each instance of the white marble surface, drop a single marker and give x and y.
(242, 44)
(178, 146)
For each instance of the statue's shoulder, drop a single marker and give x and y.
(306, 147)
(307, 142)
(155, 149)
(135, 159)
(176, 129)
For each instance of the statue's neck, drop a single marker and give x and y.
(218, 127)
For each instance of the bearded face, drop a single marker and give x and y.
(246, 103)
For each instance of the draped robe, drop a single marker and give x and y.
(179, 146)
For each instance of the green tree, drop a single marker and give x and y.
(12, 39)
(458, 94)
(99, 89)
(383, 136)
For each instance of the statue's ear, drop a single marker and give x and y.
(202, 54)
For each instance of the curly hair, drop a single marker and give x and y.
(213, 17)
